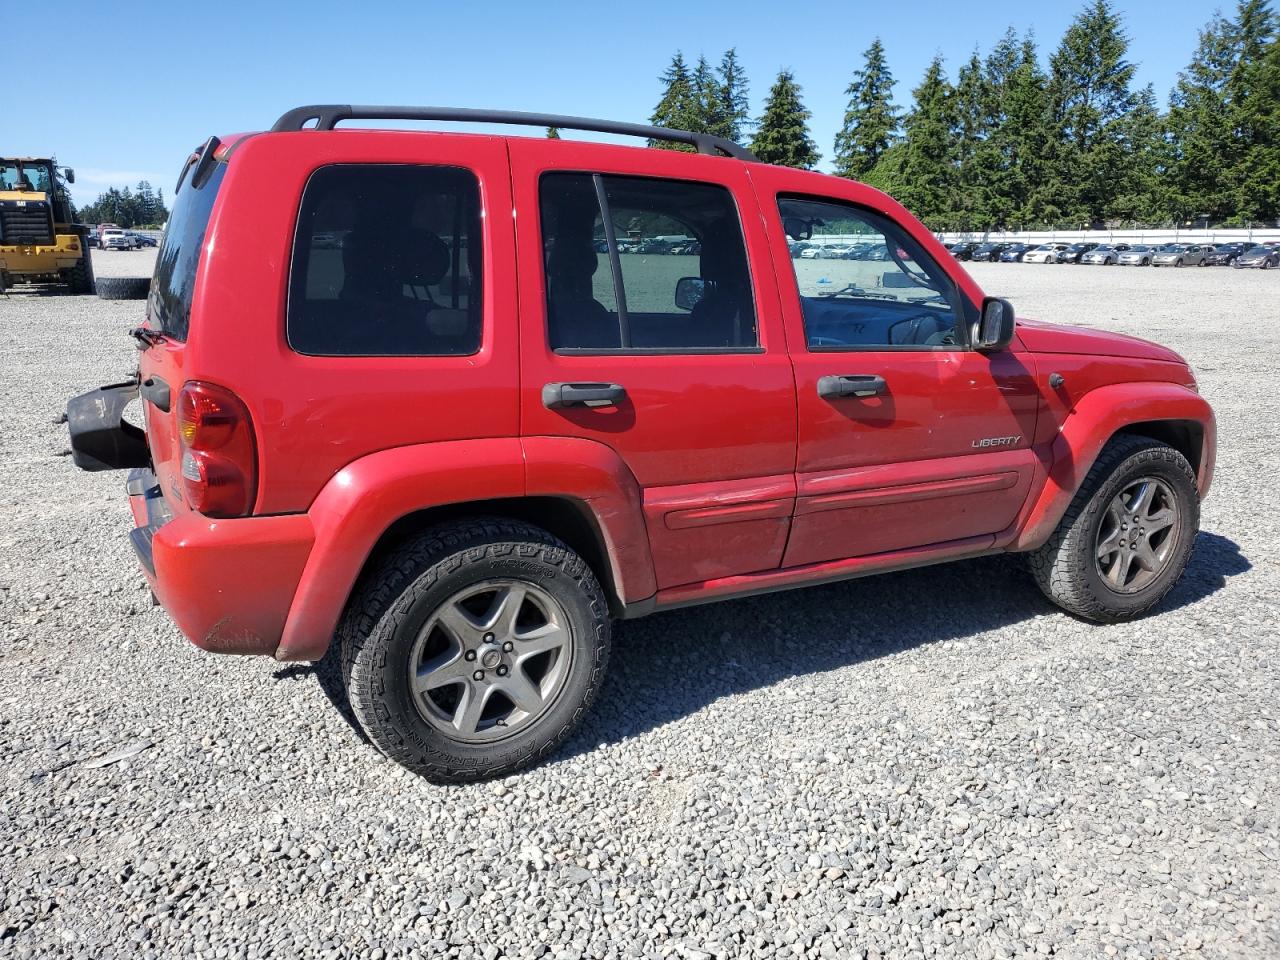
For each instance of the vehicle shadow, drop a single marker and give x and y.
(669, 665)
(672, 664)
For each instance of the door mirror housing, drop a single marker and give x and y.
(689, 292)
(995, 328)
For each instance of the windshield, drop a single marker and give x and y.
(25, 175)
(174, 283)
(1257, 251)
(1139, 249)
(1171, 248)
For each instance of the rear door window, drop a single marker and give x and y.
(635, 264)
(387, 262)
(174, 282)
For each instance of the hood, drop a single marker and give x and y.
(1040, 337)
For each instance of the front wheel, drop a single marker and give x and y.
(474, 650)
(1127, 536)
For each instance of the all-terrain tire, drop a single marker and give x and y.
(1065, 567)
(394, 600)
(124, 288)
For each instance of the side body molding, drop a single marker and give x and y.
(363, 499)
(1094, 420)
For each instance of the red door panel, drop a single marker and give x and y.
(709, 437)
(943, 453)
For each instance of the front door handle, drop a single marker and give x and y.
(850, 385)
(581, 394)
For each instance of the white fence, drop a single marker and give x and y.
(1167, 235)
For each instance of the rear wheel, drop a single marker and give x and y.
(474, 650)
(1127, 536)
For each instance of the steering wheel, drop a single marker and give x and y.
(917, 279)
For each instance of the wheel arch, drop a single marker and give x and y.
(577, 490)
(1168, 412)
(565, 518)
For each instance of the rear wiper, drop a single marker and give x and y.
(146, 337)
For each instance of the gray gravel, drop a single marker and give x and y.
(928, 764)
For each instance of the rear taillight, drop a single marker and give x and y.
(219, 461)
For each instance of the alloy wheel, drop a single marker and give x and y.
(1137, 535)
(491, 660)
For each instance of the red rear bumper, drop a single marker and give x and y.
(227, 584)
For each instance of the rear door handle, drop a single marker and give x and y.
(157, 391)
(581, 394)
(850, 385)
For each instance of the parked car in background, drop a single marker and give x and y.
(989, 252)
(1259, 258)
(141, 239)
(1105, 254)
(1222, 254)
(91, 238)
(1074, 252)
(1015, 252)
(1139, 255)
(1179, 255)
(963, 250)
(1046, 253)
(116, 239)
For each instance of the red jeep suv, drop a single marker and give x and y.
(455, 401)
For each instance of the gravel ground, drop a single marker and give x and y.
(929, 764)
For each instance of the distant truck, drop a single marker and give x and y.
(39, 242)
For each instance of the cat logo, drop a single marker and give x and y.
(996, 442)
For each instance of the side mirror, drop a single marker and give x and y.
(689, 292)
(995, 329)
(69, 174)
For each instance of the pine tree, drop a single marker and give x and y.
(678, 107)
(992, 161)
(782, 133)
(553, 133)
(1142, 191)
(706, 98)
(919, 169)
(1201, 140)
(1031, 141)
(1253, 96)
(970, 207)
(870, 119)
(1089, 84)
(733, 113)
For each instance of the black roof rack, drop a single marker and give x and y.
(328, 115)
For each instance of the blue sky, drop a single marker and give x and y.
(229, 66)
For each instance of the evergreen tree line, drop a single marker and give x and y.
(141, 207)
(1011, 145)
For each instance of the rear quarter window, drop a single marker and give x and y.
(386, 262)
(174, 282)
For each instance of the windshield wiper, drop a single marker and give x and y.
(146, 337)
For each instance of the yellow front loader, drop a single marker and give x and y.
(39, 242)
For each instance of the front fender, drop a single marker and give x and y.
(1095, 419)
(364, 499)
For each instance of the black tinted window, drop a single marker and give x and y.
(386, 261)
(174, 282)
(681, 284)
(880, 291)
